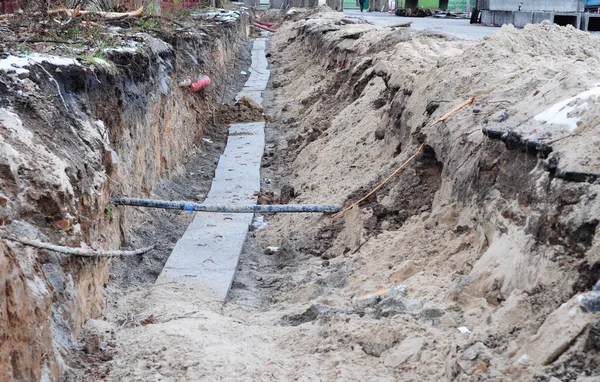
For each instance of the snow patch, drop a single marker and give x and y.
(562, 113)
(129, 47)
(226, 16)
(18, 64)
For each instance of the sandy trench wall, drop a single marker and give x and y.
(416, 88)
(512, 231)
(114, 130)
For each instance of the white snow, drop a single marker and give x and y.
(125, 49)
(227, 16)
(18, 64)
(558, 114)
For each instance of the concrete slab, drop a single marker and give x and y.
(590, 22)
(503, 17)
(259, 75)
(538, 17)
(206, 257)
(522, 18)
(565, 19)
(538, 5)
(487, 17)
(259, 44)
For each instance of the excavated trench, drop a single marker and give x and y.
(475, 262)
(76, 131)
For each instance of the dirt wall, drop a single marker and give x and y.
(72, 134)
(480, 231)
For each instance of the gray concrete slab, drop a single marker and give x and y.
(538, 17)
(565, 19)
(593, 22)
(538, 5)
(503, 18)
(487, 17)
(207, 255)
(522, 18)
(590, 22)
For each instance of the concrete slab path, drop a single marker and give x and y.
(207, 255)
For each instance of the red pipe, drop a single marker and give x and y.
(201, 83)
(263, 23)
(265, 28)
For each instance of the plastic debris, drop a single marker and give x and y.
(590, 301)
(368, 298)
(203, 82)
(271, 250)
(259, 223)
(263, 23)
(265, 28)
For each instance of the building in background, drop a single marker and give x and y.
(456, 6)
(581, 14)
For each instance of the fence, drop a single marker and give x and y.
(179, 4)
(10, 6)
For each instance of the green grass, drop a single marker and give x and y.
(97, 53)
(149, 24)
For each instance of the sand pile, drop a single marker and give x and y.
(479, 232)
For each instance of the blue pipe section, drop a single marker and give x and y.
(189, 206)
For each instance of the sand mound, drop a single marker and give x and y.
(479, 232)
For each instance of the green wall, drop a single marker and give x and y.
(459, 5)
(453, 5)
(429, 3)
(421, 3)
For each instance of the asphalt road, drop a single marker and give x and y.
(460, 28)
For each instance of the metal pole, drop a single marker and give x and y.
(190, 206)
